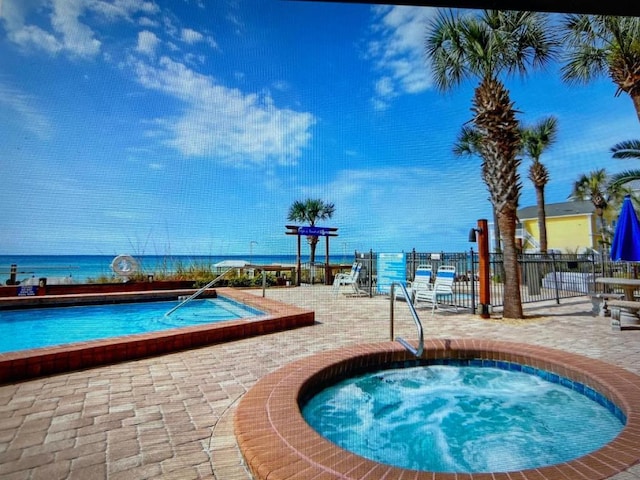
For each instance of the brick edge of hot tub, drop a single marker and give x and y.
(277, 443)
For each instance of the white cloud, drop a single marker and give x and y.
(281, 85)
(191, 36)
(384, 87)
(32, 36)
(77, 37)
(121, 9)
(13, 13)
(398, 52)
(225, 123)
(66, 32)
(147, 43)
(147, 22)
(28, 115)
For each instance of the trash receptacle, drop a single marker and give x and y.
(533, 278)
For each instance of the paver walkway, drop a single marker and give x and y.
(172, 416)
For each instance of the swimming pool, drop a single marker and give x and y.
(276, 441)
(456, 417)
(25, 364)
(25, 329)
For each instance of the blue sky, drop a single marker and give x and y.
(190, 127)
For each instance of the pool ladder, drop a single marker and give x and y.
(198, 293)
(415, 351)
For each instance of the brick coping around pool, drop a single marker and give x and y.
(278, 444)
(22, 365)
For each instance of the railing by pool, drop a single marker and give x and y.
(409, 301)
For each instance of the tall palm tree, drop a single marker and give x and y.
(624, 150)
(596, 187)
(604, 45)
(484, 46)
(535, 140)
(468, 144)
(310, 211)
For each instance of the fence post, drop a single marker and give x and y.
(414, 263)
(370, 273)
(473, 284)
(592, 257)
(556, 278)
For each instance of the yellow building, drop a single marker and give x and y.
(572, 227)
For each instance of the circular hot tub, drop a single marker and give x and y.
(277, 442)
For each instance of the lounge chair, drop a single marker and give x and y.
(442, 289)
(350, 278)
(421, 281)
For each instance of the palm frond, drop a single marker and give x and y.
(468, 142)
(626, 149)
(622, 178)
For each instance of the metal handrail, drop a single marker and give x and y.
(198, 293)
(415, 351)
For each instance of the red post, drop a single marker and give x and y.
(483, 267)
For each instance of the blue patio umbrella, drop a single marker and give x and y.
(626, 239)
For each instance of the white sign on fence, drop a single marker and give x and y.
(392, 267)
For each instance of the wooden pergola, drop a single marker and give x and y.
(313, 231)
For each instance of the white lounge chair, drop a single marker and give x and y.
(350, 278)
(421, 281)
(442, 289)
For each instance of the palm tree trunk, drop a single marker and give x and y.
(542, 219)
(495, 119)
(497, 239)
(512, 298)
(313, 243)
(603, 237)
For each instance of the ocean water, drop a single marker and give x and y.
(80, 268)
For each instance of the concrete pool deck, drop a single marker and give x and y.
(172, 416)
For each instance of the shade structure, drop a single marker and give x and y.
(626, 239)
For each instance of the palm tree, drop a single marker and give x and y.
(604, 45)
(310, 211)
(484, 46)
(535, 140)
(596, 187)
(624, 150)
(468, 144)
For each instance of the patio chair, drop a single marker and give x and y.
(441, 289)
(421, 281)
(348, 279)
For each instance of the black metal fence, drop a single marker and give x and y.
(549, 277)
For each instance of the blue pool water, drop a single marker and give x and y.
(44, 327)
(462, 419)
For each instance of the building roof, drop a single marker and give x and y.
(562, 209)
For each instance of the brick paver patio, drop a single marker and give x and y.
(172, 416)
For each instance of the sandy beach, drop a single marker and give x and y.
(172, 416)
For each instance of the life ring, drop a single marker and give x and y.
(124, 265)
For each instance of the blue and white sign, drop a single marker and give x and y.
(27, 290)
(392, 267)
(315, 231)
